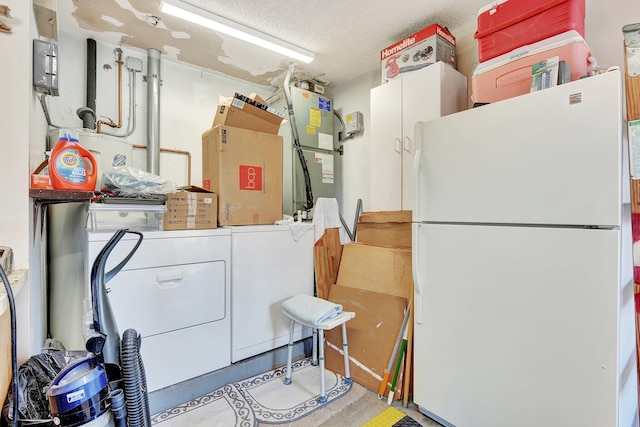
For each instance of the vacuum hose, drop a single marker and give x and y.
(118, 357)
(135, 380)
(118, 408)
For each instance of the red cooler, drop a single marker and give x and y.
(505, 25)
(510, 75)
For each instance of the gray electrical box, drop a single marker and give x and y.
(314, 122)
(353, 123)
(45, 67)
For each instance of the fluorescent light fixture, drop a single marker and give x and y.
(217, 23)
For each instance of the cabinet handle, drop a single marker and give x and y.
(407, 144)
(169, 279)
(398, 145)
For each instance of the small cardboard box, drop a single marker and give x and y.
(417, 51)
(251, 113)
(244, 168)
(191, 208)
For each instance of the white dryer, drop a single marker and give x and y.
(175, 292)
(271, 263)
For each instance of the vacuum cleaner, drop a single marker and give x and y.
(92, 391)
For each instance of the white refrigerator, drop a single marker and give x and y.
(524, 304)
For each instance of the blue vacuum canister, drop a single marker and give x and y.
(79, 394)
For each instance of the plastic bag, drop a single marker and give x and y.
(34, 377)
(126, 181)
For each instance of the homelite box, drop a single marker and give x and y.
(244, 168)
(248, 112)
(417, 51)
(191, 208)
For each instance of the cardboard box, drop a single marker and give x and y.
(417, 51)
(251, 113)
(42, 182)
(385, 228)
(244, 168)
(191, 208)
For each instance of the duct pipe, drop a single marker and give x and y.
(153, 111)
(88, 115)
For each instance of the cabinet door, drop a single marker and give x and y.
(421, 95)
(432, 92)
(386, 147)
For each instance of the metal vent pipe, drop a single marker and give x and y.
(153, 111)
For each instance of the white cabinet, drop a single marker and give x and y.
(270, 263)
(396, 107)
(175, 292)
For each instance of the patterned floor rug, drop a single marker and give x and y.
(262, 399)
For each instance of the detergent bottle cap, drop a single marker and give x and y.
(68, 135)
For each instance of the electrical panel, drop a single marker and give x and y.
(45, 67)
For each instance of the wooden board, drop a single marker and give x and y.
(333, 252)
(392, 234)
(320, 268)
(371, 335)
(380, 217)
(378, 269)
(327, 253)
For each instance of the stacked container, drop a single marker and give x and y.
(515, 34)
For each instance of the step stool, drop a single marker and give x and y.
(318, 332)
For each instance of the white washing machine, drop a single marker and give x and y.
(270, 264)
(175, 291)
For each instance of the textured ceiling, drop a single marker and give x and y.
(346, 35)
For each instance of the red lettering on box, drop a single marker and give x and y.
(250, 178)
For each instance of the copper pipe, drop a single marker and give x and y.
(110, 122)
(174, 151)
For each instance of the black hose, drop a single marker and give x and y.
(118, 408)
(14, 353)
(135, 380)
(296, 143)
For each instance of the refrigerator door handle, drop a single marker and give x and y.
(417, 285)
(398, 145)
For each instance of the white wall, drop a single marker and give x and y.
(352, 168)
(188, 101)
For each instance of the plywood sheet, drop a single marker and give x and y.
(393, 234)
(371, 335)
(378, 269)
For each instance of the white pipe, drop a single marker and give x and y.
(153, 111)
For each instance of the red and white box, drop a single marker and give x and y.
(505, 25)
(431, 44)
(509, 75)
